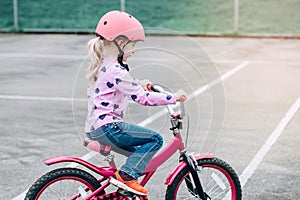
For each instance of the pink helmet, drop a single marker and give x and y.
(118, 23)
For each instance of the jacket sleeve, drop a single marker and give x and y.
(134, 90)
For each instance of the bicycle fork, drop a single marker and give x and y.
(192, 166)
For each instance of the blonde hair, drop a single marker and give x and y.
(95, 47)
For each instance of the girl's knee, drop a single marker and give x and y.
(158, 140)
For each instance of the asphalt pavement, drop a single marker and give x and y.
(243, 106)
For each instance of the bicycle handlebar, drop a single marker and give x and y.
(157, 88)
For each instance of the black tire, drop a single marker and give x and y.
(46, 187)
(218, 180)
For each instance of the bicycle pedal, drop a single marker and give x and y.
(125, 193)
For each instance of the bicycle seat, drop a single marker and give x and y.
(97, 146)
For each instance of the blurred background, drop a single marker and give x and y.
(199, 17)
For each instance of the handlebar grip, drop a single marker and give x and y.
(157, 88)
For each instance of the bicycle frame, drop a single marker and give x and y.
(108, 171)
(174, 145)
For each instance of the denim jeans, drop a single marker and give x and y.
(139, 144)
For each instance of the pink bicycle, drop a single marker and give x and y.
(195, 177)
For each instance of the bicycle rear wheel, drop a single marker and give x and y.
(218, 179)
(63, 183)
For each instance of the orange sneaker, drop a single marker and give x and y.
(131, 186)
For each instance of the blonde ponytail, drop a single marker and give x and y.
(95, 47)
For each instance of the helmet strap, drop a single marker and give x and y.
(121, 54)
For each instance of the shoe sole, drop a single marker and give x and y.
(119, 184)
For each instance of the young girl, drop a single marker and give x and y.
(110, 87)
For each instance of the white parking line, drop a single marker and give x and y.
(83, 57)
(253, 165)
(36, 98)
(37, 55)
(21, 196)
(161, 113)
(197, 92)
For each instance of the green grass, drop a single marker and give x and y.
(192, 16)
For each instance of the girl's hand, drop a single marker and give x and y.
(181, 96)
(146, 85)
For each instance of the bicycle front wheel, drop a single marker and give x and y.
(63, 183)
(218, 179)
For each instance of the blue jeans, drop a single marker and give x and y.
(138, 143)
